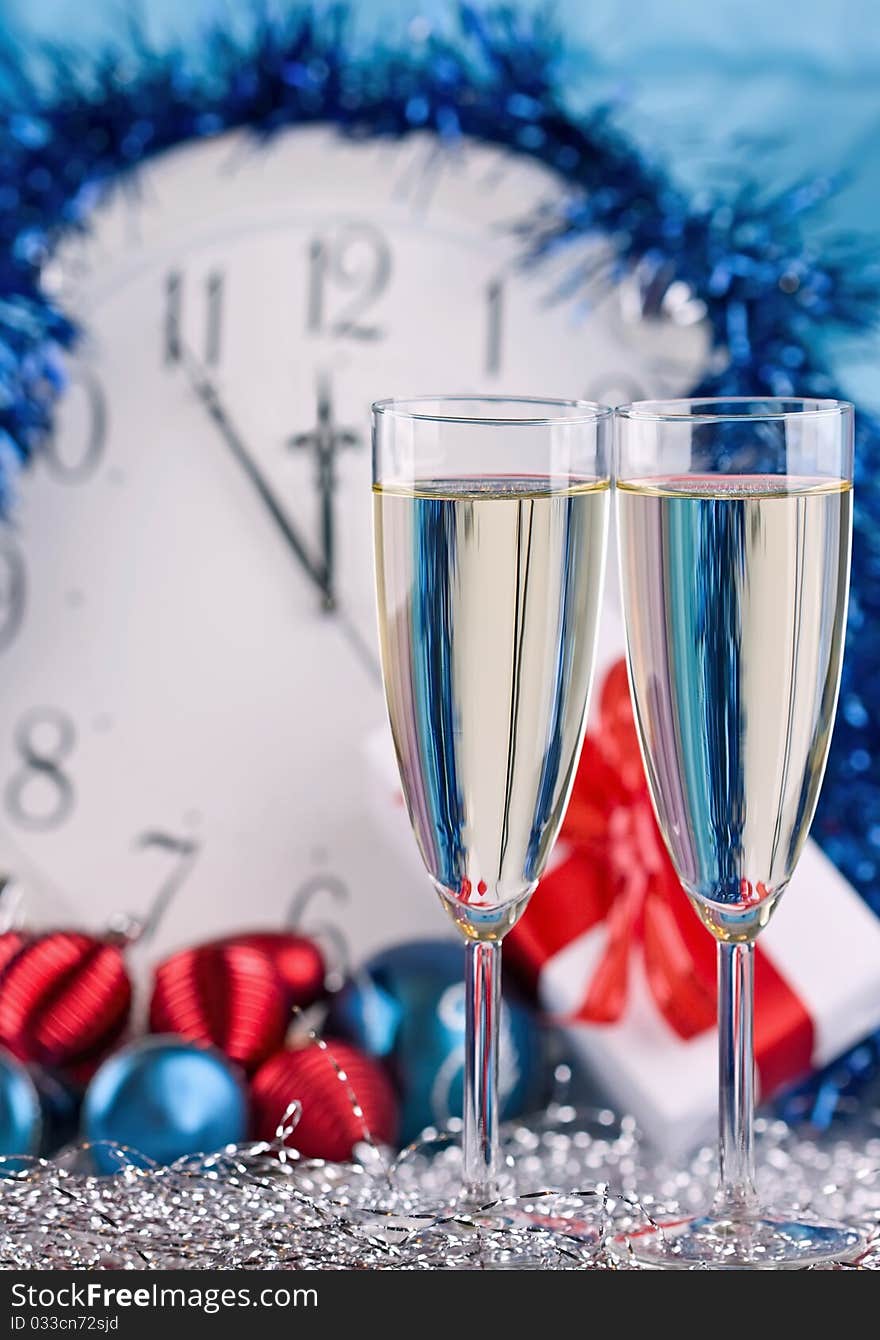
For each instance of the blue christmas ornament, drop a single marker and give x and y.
(165, 1098)
(407, 1006)
(20, 1118)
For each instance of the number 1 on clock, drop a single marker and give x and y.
(495, 315)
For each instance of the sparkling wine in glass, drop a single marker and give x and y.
(734, 523)
(490, 522)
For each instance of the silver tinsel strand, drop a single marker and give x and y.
(583, 1179)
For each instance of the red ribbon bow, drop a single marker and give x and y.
(616, 870)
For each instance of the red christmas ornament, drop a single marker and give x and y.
(298, 962)
(329, 1126)
(65, 998)
(225, 993)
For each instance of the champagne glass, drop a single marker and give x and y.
(490, 520)
(735, 520)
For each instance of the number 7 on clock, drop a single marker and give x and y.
(184, 853)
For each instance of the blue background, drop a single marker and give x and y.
(716, 90)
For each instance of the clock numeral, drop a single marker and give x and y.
(80, 466)
(213, 289)
(315, 305)
(185, 852)
(214, 285)
(12, 591)
(494, 321)
(41, 775)
(355, 262)
(173, 304)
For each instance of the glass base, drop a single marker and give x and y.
(524, 1224)
(769, 1241)
(554, 1231)
(561, 1233)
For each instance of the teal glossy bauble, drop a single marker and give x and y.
(164, 1098)
(407, 1006)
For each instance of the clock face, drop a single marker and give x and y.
(187, 643)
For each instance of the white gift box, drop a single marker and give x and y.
(823, 939)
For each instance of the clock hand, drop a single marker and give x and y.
(207, 393)
(325, 440)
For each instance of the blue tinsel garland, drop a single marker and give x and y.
(769, 293)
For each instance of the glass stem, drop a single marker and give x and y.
(736, 1196)
(480, 1134)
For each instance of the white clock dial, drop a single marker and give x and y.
(188, 684)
